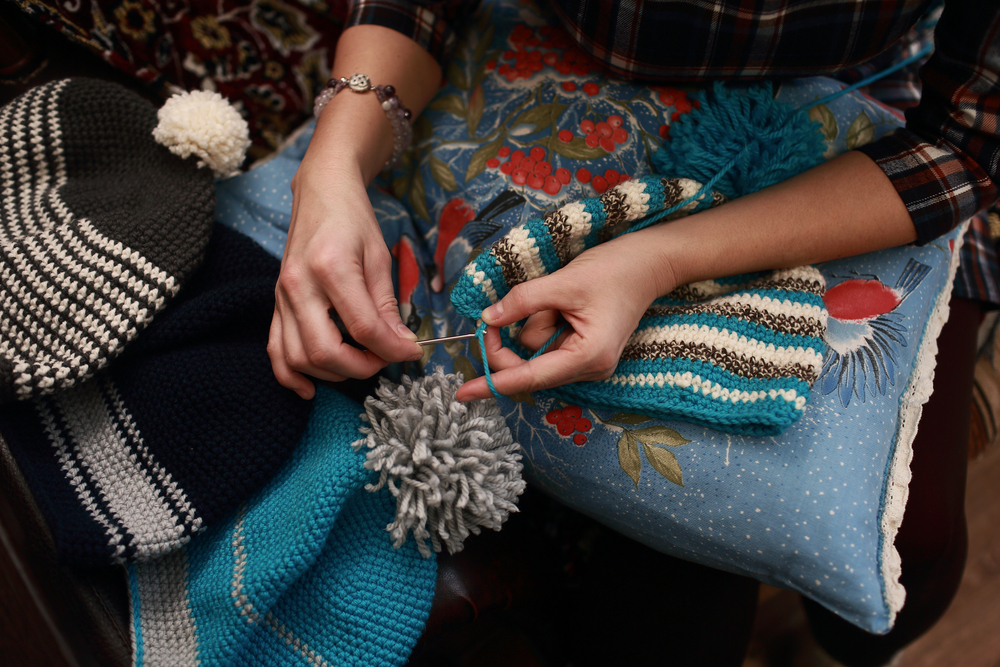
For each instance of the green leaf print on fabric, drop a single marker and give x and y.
(628, 457)
(861, 132)
(442, 174)
(822, 114)
(665, 463)
(478, 161)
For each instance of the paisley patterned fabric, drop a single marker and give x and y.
(269, 57)
(528, 124)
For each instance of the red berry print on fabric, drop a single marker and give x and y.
(569, 422)
(533, 50)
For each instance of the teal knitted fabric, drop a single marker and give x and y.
(303, 574)
(738, 354)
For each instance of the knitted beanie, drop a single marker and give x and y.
(738, 354)
(183, 427)
(99, 228)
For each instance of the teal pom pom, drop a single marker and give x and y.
(765, 140)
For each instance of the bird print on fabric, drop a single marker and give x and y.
(865, 333)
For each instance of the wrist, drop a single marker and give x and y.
(352, 135)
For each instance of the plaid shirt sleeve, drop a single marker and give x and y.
(430, 23)
(944, 163)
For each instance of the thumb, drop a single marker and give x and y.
(380, 288)
(522, 301)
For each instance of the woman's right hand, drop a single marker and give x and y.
(335, 260)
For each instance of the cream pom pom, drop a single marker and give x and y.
(205, 124)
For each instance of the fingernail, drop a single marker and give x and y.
(417, 355)
(405, 332)
(493, 313)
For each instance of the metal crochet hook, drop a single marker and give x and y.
(430, 341)
(446, 339)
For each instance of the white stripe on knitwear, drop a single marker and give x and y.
(69, 465)
(133, 498)
(716, 339)
(167, 628)
(707, 388)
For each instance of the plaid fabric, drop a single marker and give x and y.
(976, 278)
(943, 164)
(429, 23)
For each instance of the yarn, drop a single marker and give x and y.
(738, 354)
(100, 227)
(203, 123)
(766, 141)
(178, 431)
(300, 574)
(452, 467)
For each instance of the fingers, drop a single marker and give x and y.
(384, 297)
(540, 328)
(374, 327)
(526, 299)
(552, 369)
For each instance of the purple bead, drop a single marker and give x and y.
(390, 90)
(407, 114)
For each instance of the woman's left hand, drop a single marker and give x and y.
(600, 295)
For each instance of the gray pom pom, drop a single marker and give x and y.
(452, 467)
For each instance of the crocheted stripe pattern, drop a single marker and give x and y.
(135, 506)
(739, 354)
(72, 292)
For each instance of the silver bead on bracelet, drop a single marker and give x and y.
(398, 115)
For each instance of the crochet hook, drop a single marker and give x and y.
(429, 341)
(446, 339)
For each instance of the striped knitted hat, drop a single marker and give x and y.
(177, 432)
(99, 228)
(738, 354)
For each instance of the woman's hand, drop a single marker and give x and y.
(601, 295)
(335, 259)
(843, 207)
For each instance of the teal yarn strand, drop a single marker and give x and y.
(480, 333)
(871, 79)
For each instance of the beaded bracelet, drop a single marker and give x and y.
(398, 115)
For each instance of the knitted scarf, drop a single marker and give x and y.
(183, 427)
(303, 573)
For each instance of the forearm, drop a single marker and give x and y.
(842, 208)
(353, 132)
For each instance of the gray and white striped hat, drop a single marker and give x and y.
(99, 228)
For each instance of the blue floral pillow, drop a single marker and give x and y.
(528, 123)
